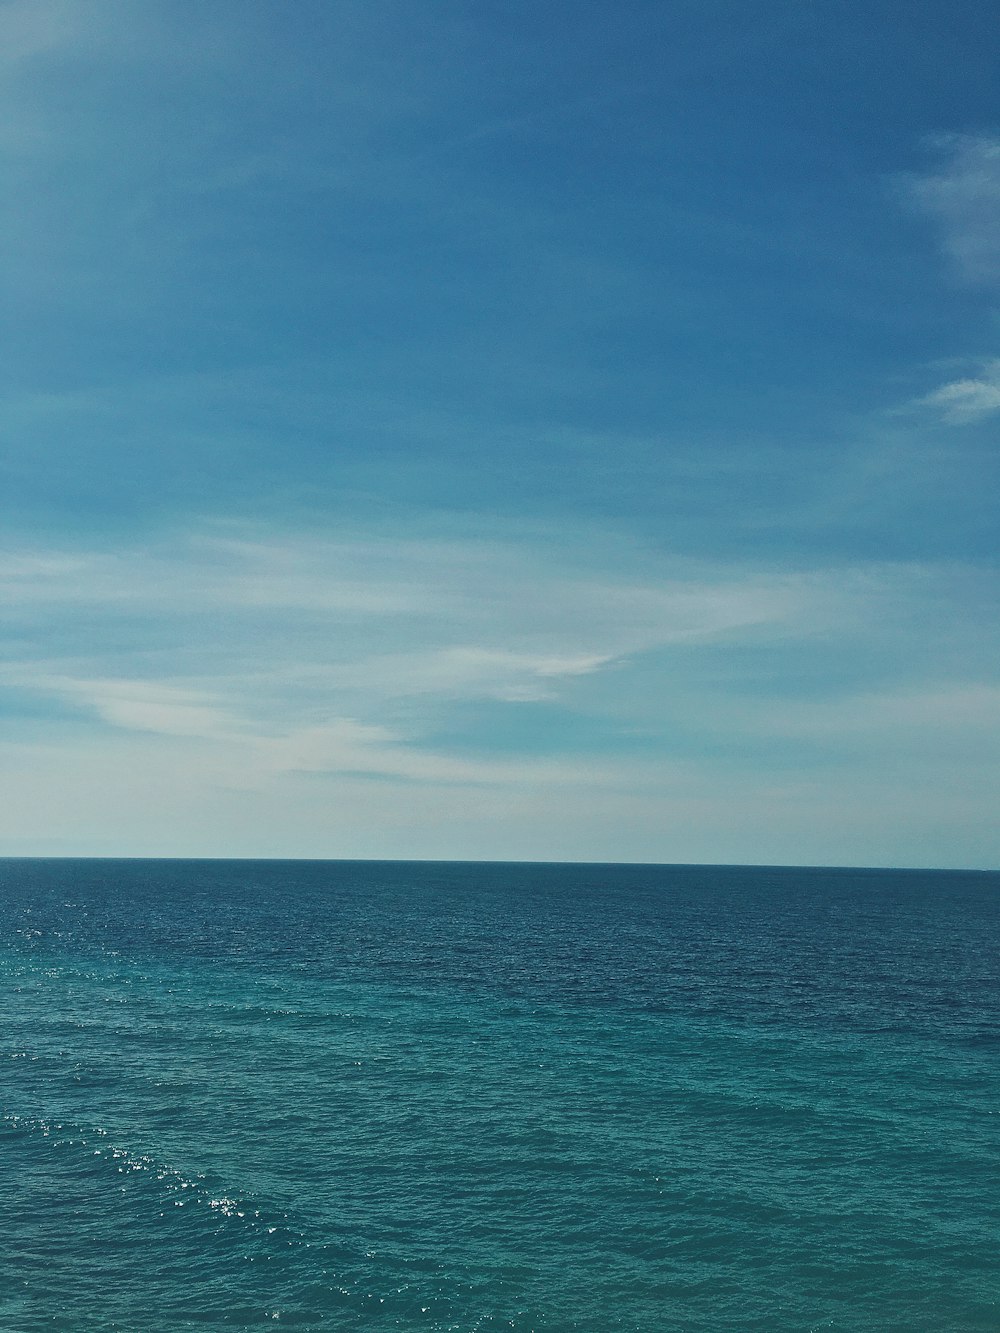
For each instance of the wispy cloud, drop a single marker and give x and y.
(138, 705)
(394, 616)
(962, 196)
(968, 399)
(286, 654)
(347, 747)
(28, 29)
(340, 655)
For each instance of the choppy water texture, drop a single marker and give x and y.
(483, 1097)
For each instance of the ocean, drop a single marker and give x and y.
(443, 1096)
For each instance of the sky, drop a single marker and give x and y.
(500, 430)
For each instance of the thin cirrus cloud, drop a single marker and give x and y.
(265, 662)
(357, 619)
(968, 399)
(221, 637)
(239, 688)
(962, 197)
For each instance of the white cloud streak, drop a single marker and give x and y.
(968, 399)
(189, 696)
(963, 198)
(308, 645)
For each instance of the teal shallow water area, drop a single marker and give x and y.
(482, 1097)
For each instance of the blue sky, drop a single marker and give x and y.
(500, 430)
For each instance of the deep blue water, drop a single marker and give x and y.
(466, 1096)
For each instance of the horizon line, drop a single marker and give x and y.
(513, 861)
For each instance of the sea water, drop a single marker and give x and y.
(482, 1097)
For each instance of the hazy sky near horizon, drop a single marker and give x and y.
(503, 430)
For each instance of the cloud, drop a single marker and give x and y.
(397, 615)
(317, 654)
(232, 689)
(250, 751)
(966, 400)
(462, 671)
(28, 29)
(144, 706)
(963, 198)
(347, 747)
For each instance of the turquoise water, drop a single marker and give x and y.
(464, 1097)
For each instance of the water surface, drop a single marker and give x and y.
(360, 1095)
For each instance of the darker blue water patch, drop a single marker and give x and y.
(444, 1096)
